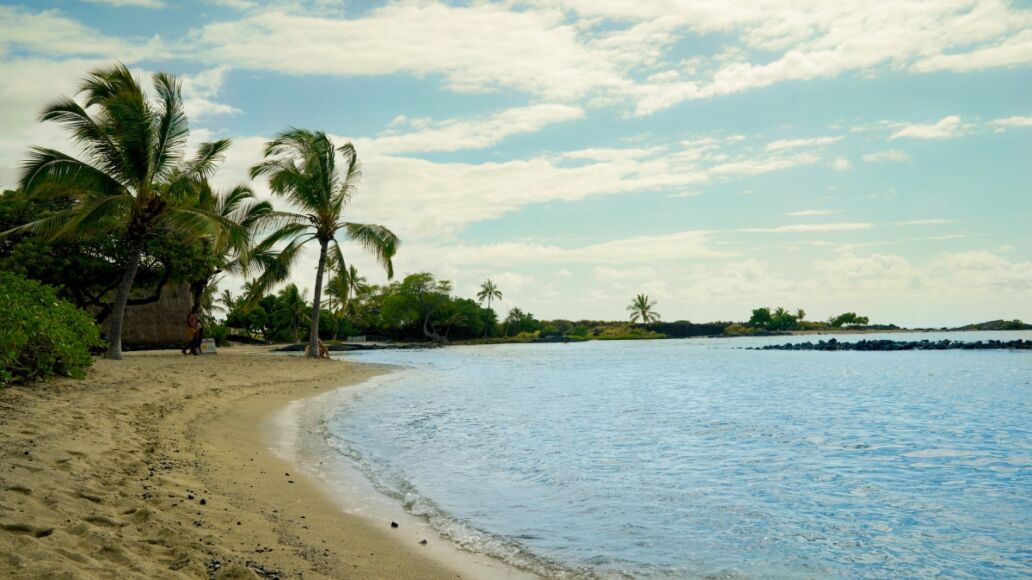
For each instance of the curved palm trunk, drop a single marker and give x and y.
(313, 337)
(121, 298)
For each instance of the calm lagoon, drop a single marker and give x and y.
(690, 458)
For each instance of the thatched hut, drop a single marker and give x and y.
(160, 324)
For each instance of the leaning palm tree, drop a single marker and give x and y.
(489, 291)
(641, 308)
(132, 167)
(302, 166)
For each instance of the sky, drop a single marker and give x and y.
(718, 155)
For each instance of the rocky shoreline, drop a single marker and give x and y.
(892, 345)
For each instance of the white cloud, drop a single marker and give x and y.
(783, 144)
(121, 3)
(477, 48)
(610, 154)
(811, 212)
(1013, 122)
(199, 92)
(888, 155)
(945, 128)
(475, 133)
(804, 228)
(1014, 50)
(923, 222)
(841, 164)
(49, 34)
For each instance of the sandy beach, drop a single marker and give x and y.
(156, 467)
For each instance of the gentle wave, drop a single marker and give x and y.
(462, 534)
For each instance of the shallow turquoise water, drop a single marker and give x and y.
(690, 458)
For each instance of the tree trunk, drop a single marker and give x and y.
(121, 298)
(313, 337)
(487, 329)
(428, 329)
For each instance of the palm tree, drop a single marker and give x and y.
(132, 169)
(800, 314)
(226, 301)
(489, 291)
(341, 290)
(641, 309)
(301, 166)
(226, 253)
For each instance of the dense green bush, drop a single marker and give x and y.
(40, 334)
(220, 333)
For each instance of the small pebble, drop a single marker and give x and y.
(204, 502)
(394, 524)
(423, 542)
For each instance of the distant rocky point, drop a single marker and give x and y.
(887, 345)
(997, 325)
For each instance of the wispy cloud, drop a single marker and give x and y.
(806, 228)
(811, 212)
(945, 128)
(888, 155)
(425, 135)
(1013, 122)
(783, 144)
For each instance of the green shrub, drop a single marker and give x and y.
(220, 333)
(40, 334)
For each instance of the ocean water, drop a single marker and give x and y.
(698, 458)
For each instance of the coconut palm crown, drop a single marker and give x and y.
(641, 309)
(302, 167)
(489, 291)
(131, 170)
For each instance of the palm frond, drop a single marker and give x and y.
(50, 171)
(378, 240)
(173, 128)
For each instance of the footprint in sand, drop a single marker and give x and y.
(27, 529)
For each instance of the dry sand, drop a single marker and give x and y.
(156, 467)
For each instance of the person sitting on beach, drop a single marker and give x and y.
(194, 332)
(323, 351)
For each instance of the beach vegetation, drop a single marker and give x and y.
(342, 291)
(848, 319)
(302, 167)
(131, 178)
(42, 335)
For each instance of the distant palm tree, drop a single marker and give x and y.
(341, 291)
(800, 314)
(489, 291)
(301, 165)
(226, 301)
(641, 309)
(133, 167)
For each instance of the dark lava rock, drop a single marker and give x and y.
(892, 345)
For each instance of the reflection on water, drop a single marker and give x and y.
(696, 457)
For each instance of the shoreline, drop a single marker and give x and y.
(159, 466)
